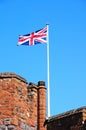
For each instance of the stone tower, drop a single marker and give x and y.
(22, 105)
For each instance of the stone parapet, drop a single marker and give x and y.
(21, 103)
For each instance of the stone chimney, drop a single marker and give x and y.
(41, 105)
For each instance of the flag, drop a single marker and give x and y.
(34, 38)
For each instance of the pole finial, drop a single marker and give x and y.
(47, 23)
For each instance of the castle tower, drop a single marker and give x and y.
(22, 105)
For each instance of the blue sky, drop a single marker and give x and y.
(67, 36)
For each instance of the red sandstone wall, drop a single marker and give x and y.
(71, 122)
(41, 106)
(22, 106)
(33, 103)
(13, 102)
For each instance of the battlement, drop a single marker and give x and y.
(12, 75)
(22, 104)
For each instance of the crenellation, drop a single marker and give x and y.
(18, 103)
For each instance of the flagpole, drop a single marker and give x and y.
(48, 70)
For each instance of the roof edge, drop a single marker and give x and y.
(12, 75)
(68, 113)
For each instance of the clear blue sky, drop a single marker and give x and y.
(67, 32)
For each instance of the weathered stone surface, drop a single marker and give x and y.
(71, 120)
(20, 105)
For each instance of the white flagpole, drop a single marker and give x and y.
(48, 70)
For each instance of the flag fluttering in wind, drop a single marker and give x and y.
(37, 37)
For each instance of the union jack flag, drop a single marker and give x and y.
(36, 37)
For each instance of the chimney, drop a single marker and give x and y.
(41, 105)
